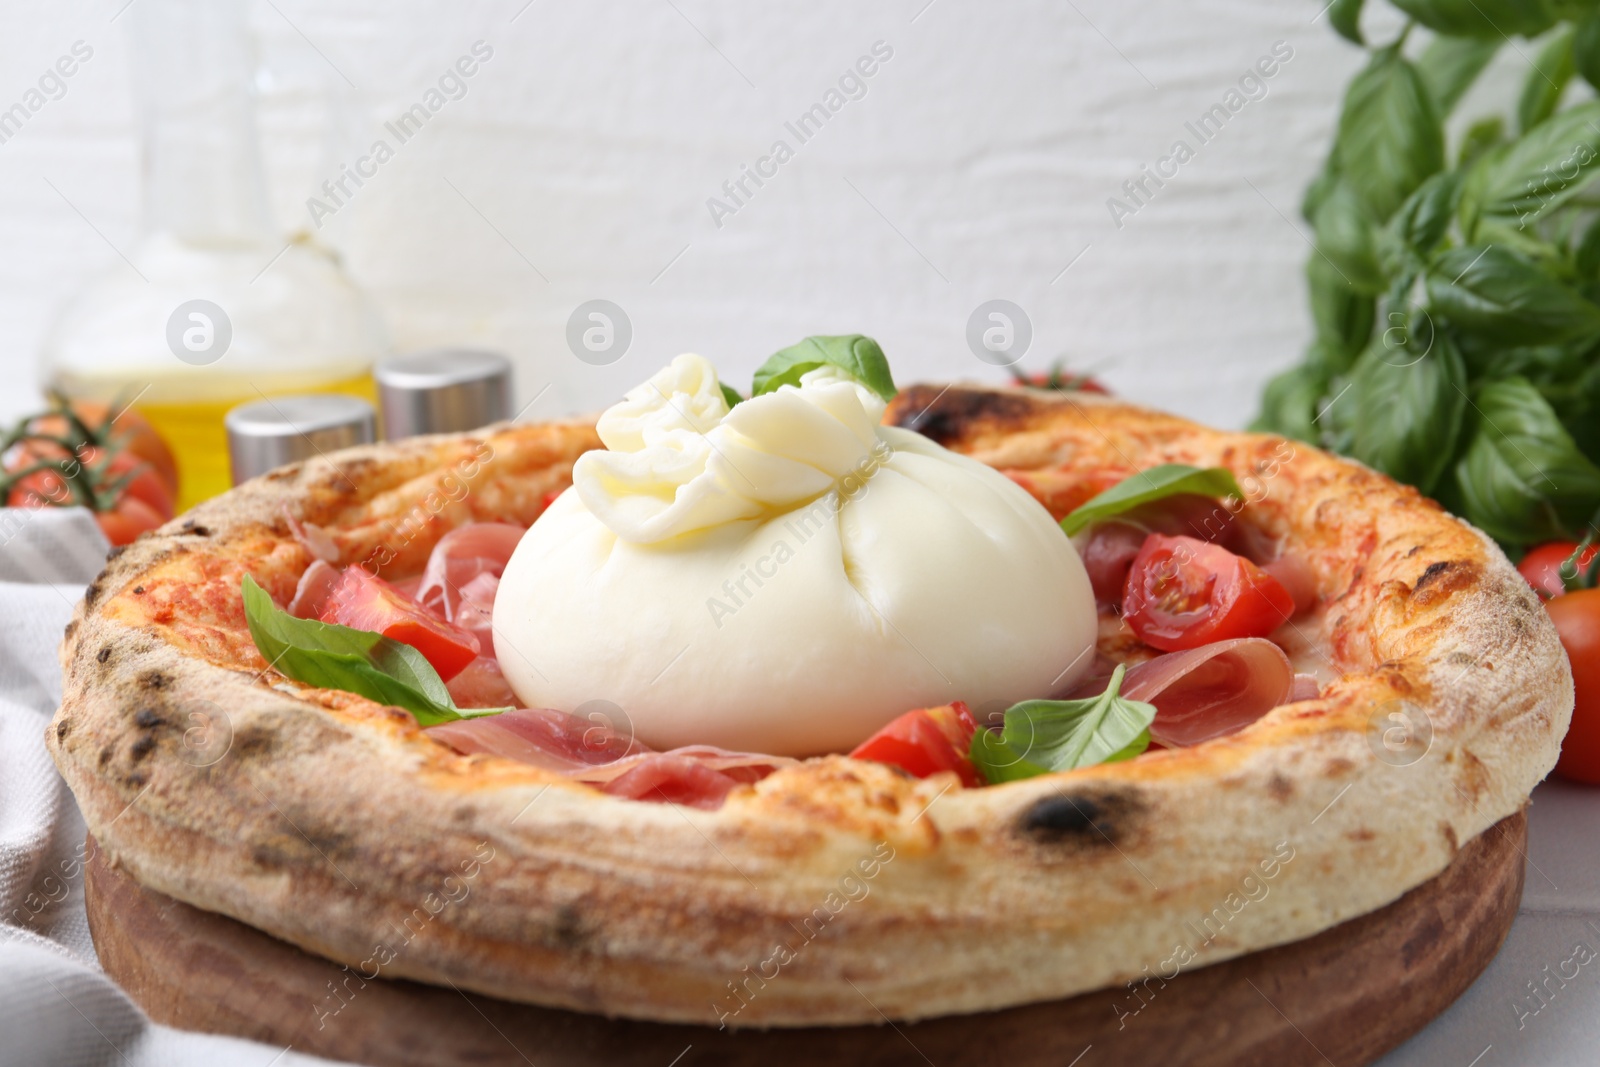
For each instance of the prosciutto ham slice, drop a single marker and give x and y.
(1211, 691)
(1297, 578)
(1207, 692)
(699, 776)
(463, 572)
(311, 596)
(1108, 555)
(481, 685)
(313, 538)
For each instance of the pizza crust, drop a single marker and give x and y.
(836, 892)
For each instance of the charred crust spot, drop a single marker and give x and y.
(72, 628)
(192, 527)
(952, 415)
(330, 844)
(62, 728)
(1443, 579)
(154, 680)
(1083, 820)
(138, 590)
(1280, 788)
(116, 550)
(267, 856)
(1413, 550)
(567, 931)
(137, 780)
(92, 594)
(254, 741)
(148, 719)
(142, 748)
(103, 656)
(106, 754)
(1431, 574)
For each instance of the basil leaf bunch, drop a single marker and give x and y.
(1041, 736)
(1455, 289)
(330, 656)
(1169, 479)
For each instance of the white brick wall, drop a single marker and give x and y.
(977, 165)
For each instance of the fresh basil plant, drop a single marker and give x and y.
(1455, 288)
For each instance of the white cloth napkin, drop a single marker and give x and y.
(58, 1009)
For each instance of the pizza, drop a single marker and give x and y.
(669, 857)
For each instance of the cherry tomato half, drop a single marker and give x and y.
(1577, 619)
(1542, 565)
(363, 601)
(926, 741)
(1183, 593)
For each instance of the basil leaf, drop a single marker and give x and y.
(1586, 48)
(1501, 295)
(1586, 257)
(1346, 234)
(1514, 237)
(1547, 79)
(1449, 66)
(1389, 136)
(1496, 19)
(1546, 167)
(1406, 405)
(1543, 365)
(1522, 479)
(1575, 397)
(1289, 402)
(1419, 225)
(1481, 137)
(1320, 186)
(329, 656)
(730, 396)
(1343, 317)
(1156, 483)
(1345, 18)
(858, 356)
(1041, 736)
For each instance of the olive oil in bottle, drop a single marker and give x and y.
(214, 307)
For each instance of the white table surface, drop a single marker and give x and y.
(1494, 1022)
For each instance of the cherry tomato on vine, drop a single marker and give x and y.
(1544, 565)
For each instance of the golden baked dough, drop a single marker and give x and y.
(835, 891)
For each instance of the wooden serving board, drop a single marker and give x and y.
(1341, 998)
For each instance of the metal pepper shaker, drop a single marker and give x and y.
(443, 390)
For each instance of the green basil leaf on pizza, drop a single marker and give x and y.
(1157, 483)
(330, 656)
(1041, 736)
(855, 355)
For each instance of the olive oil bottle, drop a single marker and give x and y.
(215, 306)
